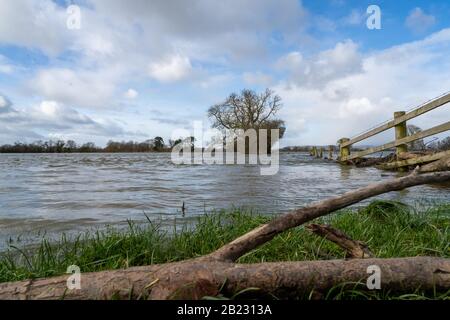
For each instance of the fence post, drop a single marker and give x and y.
(343, 151)
(400, 132)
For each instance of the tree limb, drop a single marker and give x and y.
(353, 248)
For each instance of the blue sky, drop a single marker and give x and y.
(137, 69)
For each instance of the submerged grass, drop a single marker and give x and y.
(390, 229)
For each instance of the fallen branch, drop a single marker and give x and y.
(354, 249)
(439, 165)
(282, 279)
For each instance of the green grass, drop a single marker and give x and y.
(390, 229)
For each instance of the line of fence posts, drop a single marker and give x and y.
(319, 152)
(345, 150)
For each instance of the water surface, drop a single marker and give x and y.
(56, 193)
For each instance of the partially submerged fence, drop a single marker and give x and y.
(401, 135)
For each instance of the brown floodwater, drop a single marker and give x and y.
(54, 193)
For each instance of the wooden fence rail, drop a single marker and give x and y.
(401, 137)
(433, 104)
(400, 142)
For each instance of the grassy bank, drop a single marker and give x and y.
(390, 230)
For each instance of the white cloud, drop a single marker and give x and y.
(325, 24)
(131, 94)
(34, 24)
(292, 60)
(257, 78)
(49, 108)
(356, 17)
(419, 22)
(357, 106)
(3, 102)
(150, 38)
(6, 69)
(82, 88)
(170, 69)
(5, 66)
(5, 105)
(120, 43)
(50, 118)
(397, 78)
(343, 60)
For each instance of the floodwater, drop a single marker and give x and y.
(54, 193)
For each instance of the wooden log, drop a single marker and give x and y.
(368, 162)
(353, 248)
(414, 161)
(409, 155)
(439, 165)
(195, 279)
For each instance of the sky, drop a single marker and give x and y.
(136, 69)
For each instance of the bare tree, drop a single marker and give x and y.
(444, 144)
(417, 145)
(247, 110)
(159, 143)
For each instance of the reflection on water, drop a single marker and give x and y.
(71, 192)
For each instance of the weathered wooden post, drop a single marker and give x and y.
(330, 152)
(343, 151)
(321, 153)
(400, 132)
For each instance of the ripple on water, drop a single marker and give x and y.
(80, 190)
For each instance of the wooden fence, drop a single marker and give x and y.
(401, 135)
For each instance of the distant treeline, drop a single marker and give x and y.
(156, 145)
(419, 145)
(60, 146)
